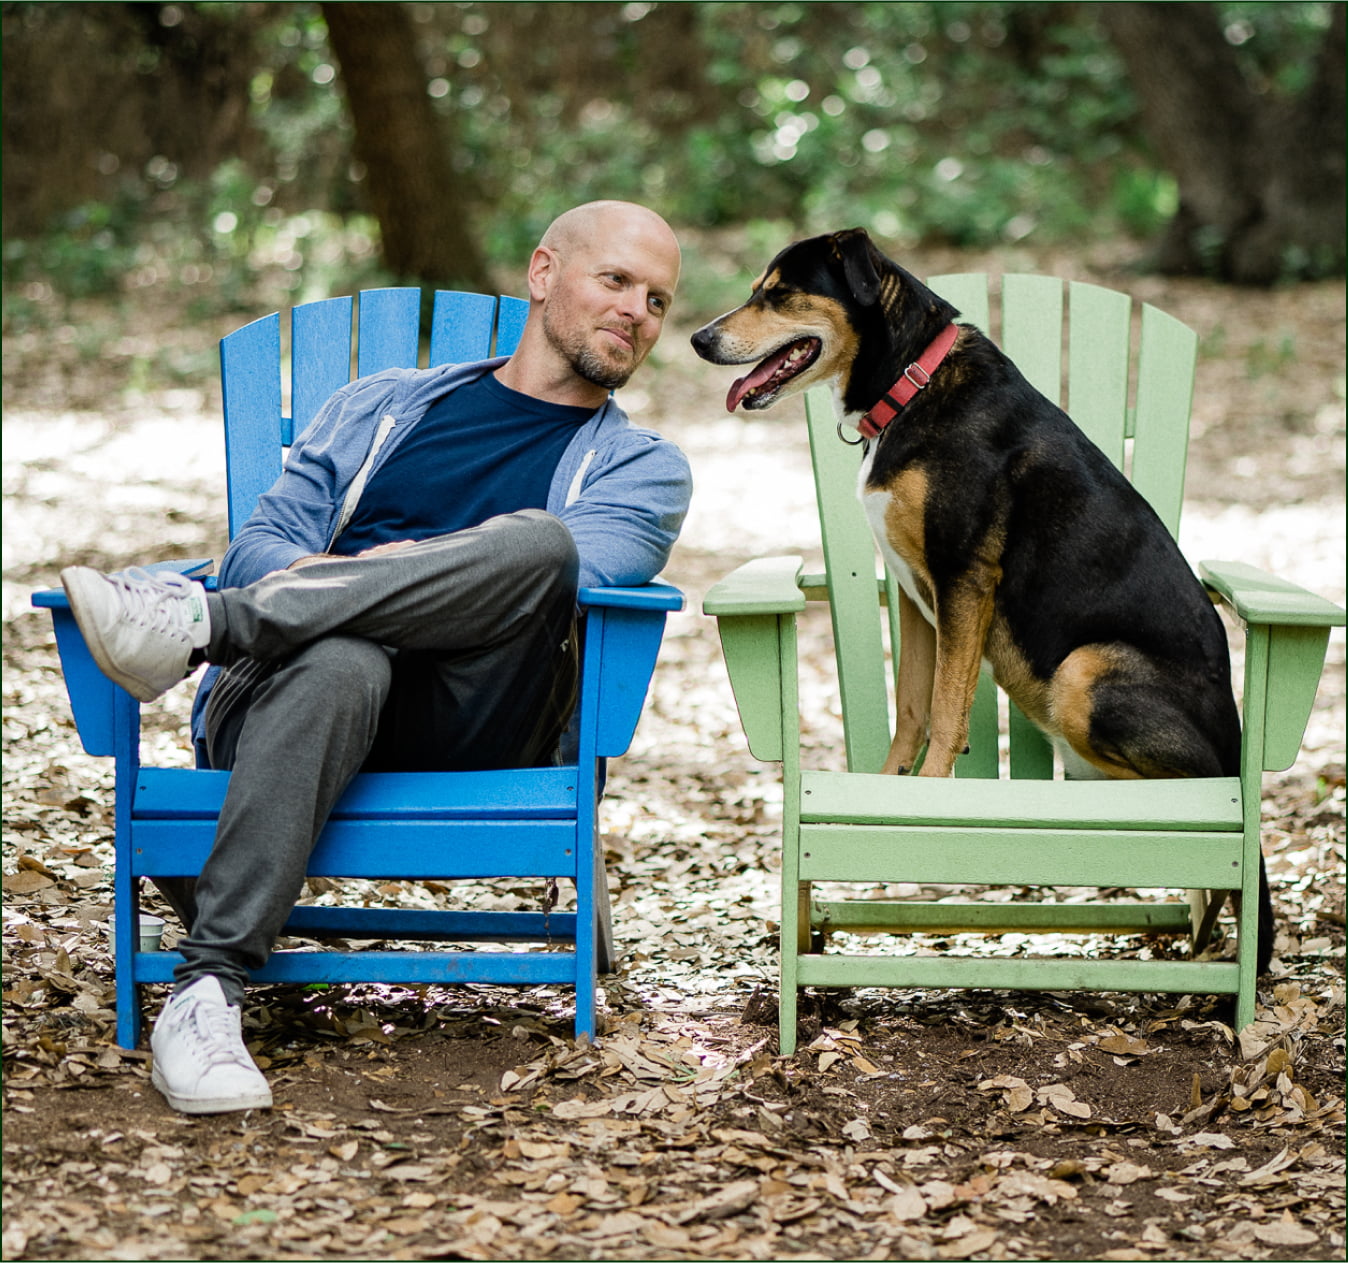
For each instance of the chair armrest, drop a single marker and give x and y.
(755, 608)
(94, 698)
(624, 628)
(195, 568)
(1288, 630)
(1258, 597)
(769, 585)
(649, 596)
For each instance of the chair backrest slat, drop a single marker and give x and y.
(320, 359)
(849, 555)
(510, 319)
(968, 291)
(1097, 372)
(1031, 307)
(250, 380)
(461, 326)
(1034, 317)
(389, 336)
(1165, 387)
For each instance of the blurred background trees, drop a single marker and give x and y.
(338, 144)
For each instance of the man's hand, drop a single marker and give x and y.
(391, 546)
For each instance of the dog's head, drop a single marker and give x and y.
(806, 318)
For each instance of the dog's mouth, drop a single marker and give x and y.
(759, 388)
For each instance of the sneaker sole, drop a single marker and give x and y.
(78, 589)
(210, 1104)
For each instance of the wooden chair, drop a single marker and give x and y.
(536, 823)
(1006, 822)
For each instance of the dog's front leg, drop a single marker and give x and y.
(912, 699)
(963, 616)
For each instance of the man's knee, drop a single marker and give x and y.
(541, 545)
(348, 673)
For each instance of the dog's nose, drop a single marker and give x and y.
(702, 340)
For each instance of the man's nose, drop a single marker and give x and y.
(634, 303)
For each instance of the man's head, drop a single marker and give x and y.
(601, 282)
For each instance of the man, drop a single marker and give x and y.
(403, 598)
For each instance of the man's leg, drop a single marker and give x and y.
(459, 593)
(293, 735)
(494, 602)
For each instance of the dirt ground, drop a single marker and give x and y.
(437, 1123)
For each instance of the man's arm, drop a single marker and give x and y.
(294, 519)
(629, 512)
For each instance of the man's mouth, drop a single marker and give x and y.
(621, 336)
(759, 388)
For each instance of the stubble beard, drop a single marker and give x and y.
(587, 363)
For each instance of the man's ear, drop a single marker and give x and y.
(854, 250)
(543, 267)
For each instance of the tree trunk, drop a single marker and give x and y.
(1261, 179)
(410, 182)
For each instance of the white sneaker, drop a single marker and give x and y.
(140, 627)
(200, 1062)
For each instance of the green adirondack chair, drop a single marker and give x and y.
(1014, 825)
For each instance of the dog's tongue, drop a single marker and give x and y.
(759, 377)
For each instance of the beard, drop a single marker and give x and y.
(586, 362)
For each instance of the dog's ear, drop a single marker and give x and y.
(856, 252)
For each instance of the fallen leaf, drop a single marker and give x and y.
(1124, 1045)
(1063, 1099)
(857, 1130)
(1283, 1233)
(25, 883)
(578, 1108)
(907, 1204)
(1209, 1140)
(1174, 1195)
(564, 1204)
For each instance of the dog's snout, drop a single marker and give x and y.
(703, 340)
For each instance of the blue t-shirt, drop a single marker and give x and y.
(480, 451)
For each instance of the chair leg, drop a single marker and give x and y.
(805, 935)
(605, 950)
(1206, 906)
(795, 922)
(128, 1004)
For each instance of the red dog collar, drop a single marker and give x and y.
(914, 378)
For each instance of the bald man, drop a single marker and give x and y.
(402, 599)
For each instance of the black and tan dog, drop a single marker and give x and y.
(1014, 539)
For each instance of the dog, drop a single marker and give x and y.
(1013, 538)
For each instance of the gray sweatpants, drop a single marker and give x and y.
(454, 653)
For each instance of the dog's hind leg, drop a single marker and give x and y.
(912, 696)
(1122, 714)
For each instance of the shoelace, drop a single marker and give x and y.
(214, 1029)
(142, 595)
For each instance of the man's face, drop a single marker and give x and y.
(609, 300)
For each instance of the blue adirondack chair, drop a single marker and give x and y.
(534, 823)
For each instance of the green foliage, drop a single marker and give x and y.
(969, 123)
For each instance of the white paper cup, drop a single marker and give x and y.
(151, 933)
